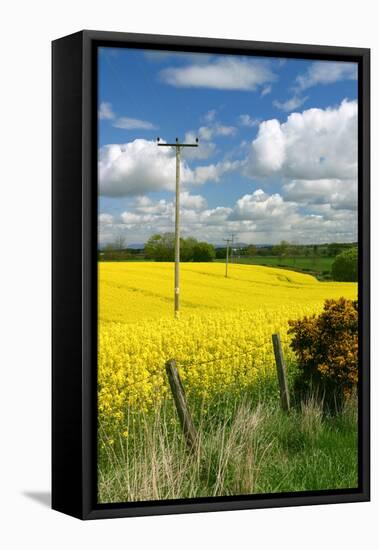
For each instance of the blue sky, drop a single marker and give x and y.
(278, 146)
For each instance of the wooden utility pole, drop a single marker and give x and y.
(228, 241)
(182, 408)
(281, 371)
(178, 146)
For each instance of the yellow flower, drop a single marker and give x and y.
(230, 320)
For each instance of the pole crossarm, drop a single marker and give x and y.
(178, 144)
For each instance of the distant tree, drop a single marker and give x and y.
(186, 249)
(301, 250)
(307, 251)
(281, 249)
(221, 253)
(203, 252)
(119, 243)
(251, 250)
(345, 266)
(294, 250)
(160, 247)
(265, 251)
(333, 249)
(115, 251)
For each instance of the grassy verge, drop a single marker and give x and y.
(247, 446)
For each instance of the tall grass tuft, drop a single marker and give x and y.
(246, 447)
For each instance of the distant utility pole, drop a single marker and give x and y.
(178, 146)
(228, 241)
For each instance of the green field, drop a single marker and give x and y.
(314, 265)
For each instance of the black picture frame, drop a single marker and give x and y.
(74, 294)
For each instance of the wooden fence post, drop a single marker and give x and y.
(180, 400)
(281, 370)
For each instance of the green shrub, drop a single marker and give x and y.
(345, 266)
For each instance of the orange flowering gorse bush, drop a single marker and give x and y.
(326, 347)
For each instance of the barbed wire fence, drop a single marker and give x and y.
(175, 383)
(186, 364)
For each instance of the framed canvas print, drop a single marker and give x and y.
(210, 274)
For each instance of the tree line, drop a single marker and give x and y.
(285, 249)
(161, 248)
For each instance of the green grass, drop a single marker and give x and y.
(314, 265)
(247, 445)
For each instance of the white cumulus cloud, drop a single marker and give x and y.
(137, 167)
(127, 123)
(314, 144)
(223, 73)
(339, 194)
(195, 202)
(140, 166)
(327, 72)
(210, 115)
(290, 104)
(260, 206)
(212, 172)
(268, 152)
(207, 133)
(266, 90)
(257, 217)
(106, 219)
(204, 150)
(106, 111)
(248, 121)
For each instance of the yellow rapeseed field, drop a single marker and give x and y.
(230, 320)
